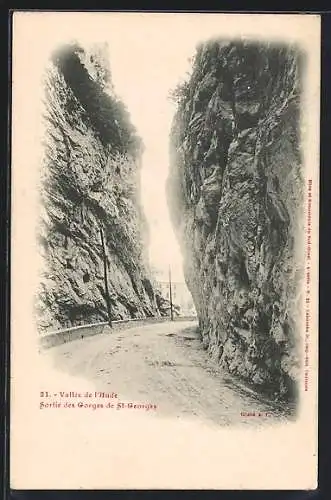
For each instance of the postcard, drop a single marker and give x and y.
(164, 250)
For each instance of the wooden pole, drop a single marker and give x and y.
(170, 294)
(105, 276)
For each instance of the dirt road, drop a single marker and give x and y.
(163, 364)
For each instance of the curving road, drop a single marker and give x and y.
(163, 364)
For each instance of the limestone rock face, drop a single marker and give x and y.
(235, 195)
(90, 190)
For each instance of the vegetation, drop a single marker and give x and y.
(108, 116)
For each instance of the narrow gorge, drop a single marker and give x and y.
(235, 193)
(92, 231)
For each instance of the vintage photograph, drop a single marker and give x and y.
(173, 224)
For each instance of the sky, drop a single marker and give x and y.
(157, 68)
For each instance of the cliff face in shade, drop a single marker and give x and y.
(235, 196)
(89, 189)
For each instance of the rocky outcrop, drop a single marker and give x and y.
(235, 196)
(92, 231)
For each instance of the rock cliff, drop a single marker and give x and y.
(92, 231)
(235, 197)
